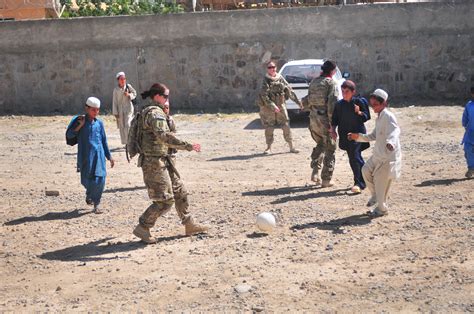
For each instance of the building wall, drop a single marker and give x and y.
(214, 60)
(27, 9)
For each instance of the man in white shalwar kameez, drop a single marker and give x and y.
(122, 106)
(385, 165)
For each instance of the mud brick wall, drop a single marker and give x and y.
(214, 60)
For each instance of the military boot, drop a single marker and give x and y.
(327, 184)
(293, 149)
(193, 228)
(144, 234)
(315, 176)
(268, 150)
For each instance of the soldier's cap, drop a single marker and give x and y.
(380, 93)
(328, 66)
(349, 84)
(118, 75)
(93, 102)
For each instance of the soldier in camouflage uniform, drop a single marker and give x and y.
(271, 100)
(322, 96)
(159, 173)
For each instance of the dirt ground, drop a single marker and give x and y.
(324, 256)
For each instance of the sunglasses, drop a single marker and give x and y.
(271, 67)
(164, 96)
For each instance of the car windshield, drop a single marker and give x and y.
(301, 73)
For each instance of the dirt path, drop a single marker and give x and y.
(324, 256)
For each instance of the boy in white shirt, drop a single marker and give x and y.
(385, 164)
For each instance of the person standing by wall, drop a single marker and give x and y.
(271, 100)
(350, 114)
(122, 105)
(159, 172)
(92, 151)
(384, 166)
(468, 139)
(322, 96)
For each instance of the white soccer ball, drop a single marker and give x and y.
(266, 222)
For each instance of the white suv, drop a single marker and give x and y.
(299, 73)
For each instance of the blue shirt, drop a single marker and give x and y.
(347, 121)
(468, 123)
(92, 148)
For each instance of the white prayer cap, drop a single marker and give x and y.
(380, 93)
(93, 102)
(118, 75)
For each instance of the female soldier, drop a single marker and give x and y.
(271, 100)
(159, 173)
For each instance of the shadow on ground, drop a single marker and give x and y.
(95, 251)
(49, 216)
(256, 235)
(280, 191)
(296, 122)
(135, 188)
(305, 197)
(335, 225)
(117, 149)
(244, 157)
(440, 182)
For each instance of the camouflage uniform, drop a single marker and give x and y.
(159, 173)
(274, 92)
(322, 96)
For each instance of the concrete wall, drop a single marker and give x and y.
(213, 60)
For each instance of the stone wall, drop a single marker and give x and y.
(214, 60)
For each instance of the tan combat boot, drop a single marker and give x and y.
(293, 149)
(315, 176)
(268, 150)
(144, 234)
(193, 228)
(326, 184)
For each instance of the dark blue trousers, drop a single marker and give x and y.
(94, 187)
(469, 153)
(357, 162)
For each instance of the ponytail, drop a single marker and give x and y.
(155, 89)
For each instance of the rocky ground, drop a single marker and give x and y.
(324, 256)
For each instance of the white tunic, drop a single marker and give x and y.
(386, 132)
(123, 108)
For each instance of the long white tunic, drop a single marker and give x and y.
(386, 132)
(123, 108)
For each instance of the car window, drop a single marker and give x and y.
(301, 73)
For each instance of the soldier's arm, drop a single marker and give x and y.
(332, 94)
(305, 102)
(290, 93)
(294, 97)
(157, 123)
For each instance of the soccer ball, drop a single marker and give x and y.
(266, 222)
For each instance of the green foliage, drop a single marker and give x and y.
(119, 7)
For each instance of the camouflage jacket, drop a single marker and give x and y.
(322, 97)
(156, 135)
(274, 92)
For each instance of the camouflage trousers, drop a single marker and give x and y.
(164, 188)
(270, 120)
(323, 155)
